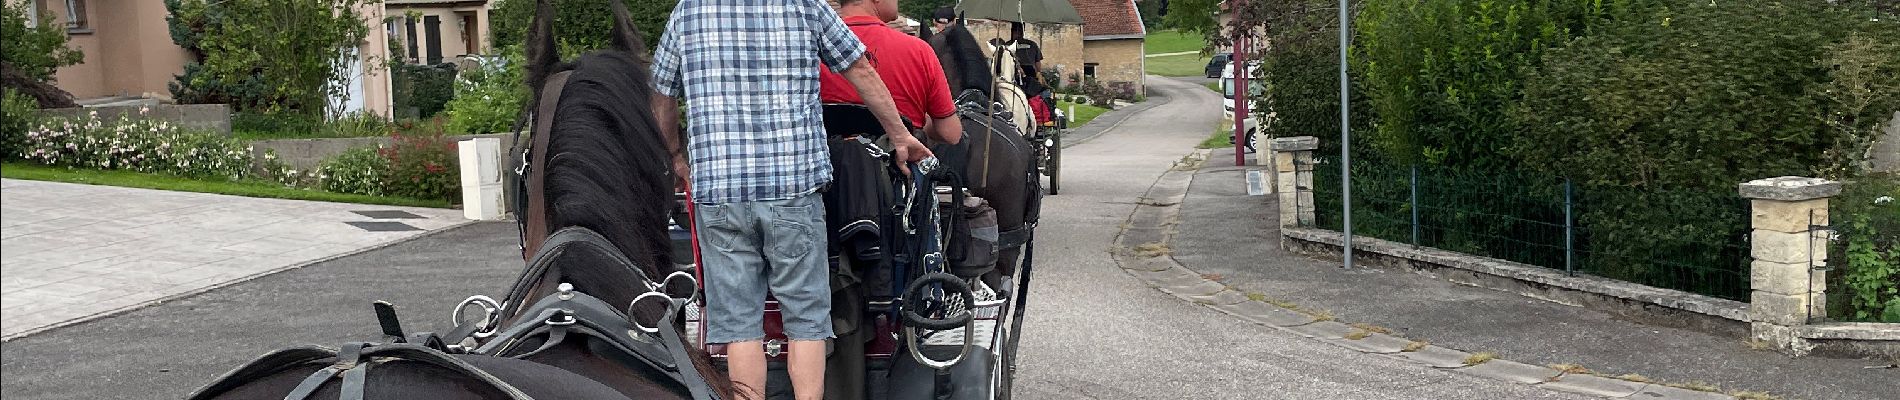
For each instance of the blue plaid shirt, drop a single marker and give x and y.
(744, 70)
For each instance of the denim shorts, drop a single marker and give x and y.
(750, 246)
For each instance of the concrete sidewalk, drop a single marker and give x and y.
(73, 252)
(1234, 237)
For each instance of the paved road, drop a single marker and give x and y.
(72, 251)
(1094, 331)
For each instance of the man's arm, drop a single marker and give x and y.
(666, 114)
(948, 130)
(878, 98)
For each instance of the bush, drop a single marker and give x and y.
(17, 114)
(136, 145)
(489, 98)
(581, 24)
(36, 50)
(294, 126)
(421, 163)
(357, 171)
(421, 91)
(1867, 217)
(266, 56)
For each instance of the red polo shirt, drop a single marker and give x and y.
(907, 65)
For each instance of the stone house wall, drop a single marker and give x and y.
(1062, 47)
(1117, 62)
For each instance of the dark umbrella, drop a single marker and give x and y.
(1056, 11)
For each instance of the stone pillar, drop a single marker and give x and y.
(1293, 178)
(1789, 243)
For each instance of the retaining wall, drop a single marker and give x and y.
(305, 154)
(215, 118)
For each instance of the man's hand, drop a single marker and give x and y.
(907, 149)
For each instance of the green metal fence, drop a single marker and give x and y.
(1694, 241)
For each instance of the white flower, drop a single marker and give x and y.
(1883, 199)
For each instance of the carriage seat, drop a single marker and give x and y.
(843, 120)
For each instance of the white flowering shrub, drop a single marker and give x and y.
(276, 170)
(135, 144)
(358, 171)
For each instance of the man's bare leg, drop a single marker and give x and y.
(745, 363)
(806, 365)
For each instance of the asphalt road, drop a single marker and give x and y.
(1093, 331)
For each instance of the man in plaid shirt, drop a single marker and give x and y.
(758, 157)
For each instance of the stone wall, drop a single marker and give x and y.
(215, 118)
(305, 154)
(1117, 61)
(1062, 47)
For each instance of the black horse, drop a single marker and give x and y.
(597, 170)
(996, 160)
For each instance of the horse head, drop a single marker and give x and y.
(964, 65)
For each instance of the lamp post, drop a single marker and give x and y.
(1345, 129)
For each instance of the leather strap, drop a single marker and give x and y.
(554, 245)
(265, 365)
(689, 376)
(1015, 237)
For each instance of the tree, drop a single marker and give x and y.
(266, 55)
(922, 9)
(580, 25)
(36, 50)
(1191, 16)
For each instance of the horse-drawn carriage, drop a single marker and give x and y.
(607, 305)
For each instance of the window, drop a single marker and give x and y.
(1088, 70)
(76, 14)
(432, 28)
(410, 39)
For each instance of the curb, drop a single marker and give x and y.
(1141, 251)
(246, 278)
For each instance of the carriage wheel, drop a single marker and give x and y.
(1055, 164)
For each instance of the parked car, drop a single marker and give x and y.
(1215, 65)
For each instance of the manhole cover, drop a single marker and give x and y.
(388, 214)
(382, 226)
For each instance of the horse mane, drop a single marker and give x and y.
(963, 57)
(607, 169)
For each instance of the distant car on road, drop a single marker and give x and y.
(1217, 64)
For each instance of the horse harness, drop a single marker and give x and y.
(976, 106)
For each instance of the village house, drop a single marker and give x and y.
(1108, 46)
(130, 56)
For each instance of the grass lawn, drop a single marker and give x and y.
(1221, 138)
(1083, 112)
(15, 170)
(1214, 86)
(1181, 65)
(1171, 41)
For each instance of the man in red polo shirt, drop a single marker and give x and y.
(908, 66)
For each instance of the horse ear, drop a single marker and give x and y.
(541, 49)
(626, 37)
(923, 31)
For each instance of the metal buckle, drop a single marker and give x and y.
(562, 318)
(487, 324)
(637, 325)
